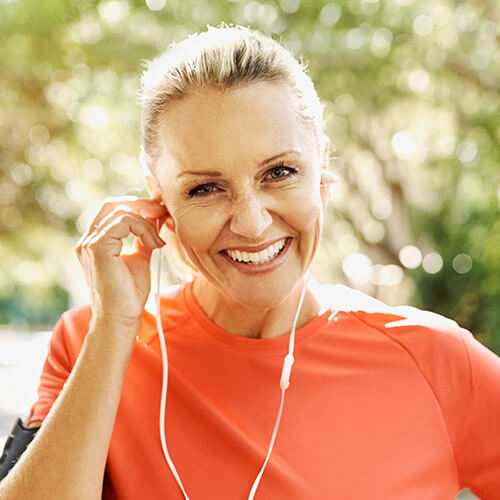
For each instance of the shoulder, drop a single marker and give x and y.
(69, 333)
(415, 329)
(437, 346)
(73, 323)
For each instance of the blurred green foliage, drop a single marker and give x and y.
(412, 106)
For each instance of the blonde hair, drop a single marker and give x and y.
(221, 58)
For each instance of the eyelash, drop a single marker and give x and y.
(193, 193)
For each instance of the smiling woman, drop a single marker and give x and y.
(226, 73)
(253, 201)
(386, 403)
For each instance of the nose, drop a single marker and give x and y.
(249, 217)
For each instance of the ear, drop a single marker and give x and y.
(151, 185)
(147, 176)
(326, 160)
(327, 176)
(154, 192)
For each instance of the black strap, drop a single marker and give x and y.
(18, 440)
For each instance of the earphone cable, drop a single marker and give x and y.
(163, 403)
(284, 382)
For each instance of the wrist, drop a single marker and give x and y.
(116, 324)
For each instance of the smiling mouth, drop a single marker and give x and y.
(262, 257)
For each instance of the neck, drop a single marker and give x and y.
(255, 322)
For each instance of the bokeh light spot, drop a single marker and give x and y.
(462, 263)
(92, 169)
(344, 104)
(289, 6)
(410, 256)
(389, 275)
(39, 135)
(466, 152)
(21, 174)
(355, 39)
(423, 25)
(403, 144)
(357, 267)
(330, 14)
(381, 42)
(156, 4)
(96, 117)
(418, 80)
(113, 11)
(432, 263)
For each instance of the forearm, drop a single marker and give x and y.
(67, 457)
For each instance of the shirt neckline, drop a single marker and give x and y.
(246, 343)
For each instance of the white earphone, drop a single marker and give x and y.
(327, 177)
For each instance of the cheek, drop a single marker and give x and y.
(198, 229)
(304, 213)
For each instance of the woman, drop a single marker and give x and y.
(236, 163)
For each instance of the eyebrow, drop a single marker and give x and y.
(216, 173)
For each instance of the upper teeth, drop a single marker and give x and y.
(258, 257)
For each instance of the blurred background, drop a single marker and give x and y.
(411, 94)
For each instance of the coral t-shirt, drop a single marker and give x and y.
(402, 412)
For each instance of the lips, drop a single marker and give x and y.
(258, 257)
(259, 268)
(256, 248)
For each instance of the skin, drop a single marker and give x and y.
(246, 204)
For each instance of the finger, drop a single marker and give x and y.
(158, 222)
(124, 210)
(142, 206)
(120, 227)
(148, 207)
(144, 250)
(140, 249)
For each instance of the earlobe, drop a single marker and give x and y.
(154, 192)
(328, 177)
(169, 222)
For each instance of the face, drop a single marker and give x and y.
(231, 196)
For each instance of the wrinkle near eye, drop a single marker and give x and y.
(204, 190)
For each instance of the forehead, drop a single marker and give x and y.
(249, 123)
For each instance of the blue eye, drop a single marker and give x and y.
(202, 190)
(280, 171)
(276, 173)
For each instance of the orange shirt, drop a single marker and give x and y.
(373, 412)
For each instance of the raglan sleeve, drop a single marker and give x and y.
(478, 451)
(64, 346)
